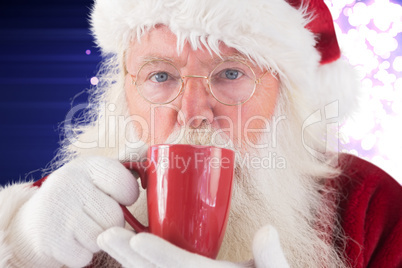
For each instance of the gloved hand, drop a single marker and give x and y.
(147, 250)
(59, 225)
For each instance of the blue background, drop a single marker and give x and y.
(43, 66)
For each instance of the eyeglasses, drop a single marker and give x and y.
(231, 82)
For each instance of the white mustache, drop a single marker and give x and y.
(203, 135)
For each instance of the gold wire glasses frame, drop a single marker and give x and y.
(208, 78)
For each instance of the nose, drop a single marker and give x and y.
(195, 102)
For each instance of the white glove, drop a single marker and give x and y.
(147, 250)
(267, 249)
(59, 225)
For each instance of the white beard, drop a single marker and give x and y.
(282, 196)
(285, 195)
(290, 203)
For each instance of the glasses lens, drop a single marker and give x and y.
(232, 82)
(158, 81)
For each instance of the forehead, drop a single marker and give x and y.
(161, 42)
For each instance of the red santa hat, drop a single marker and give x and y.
(296, 38)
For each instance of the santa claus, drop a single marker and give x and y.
(262, 77)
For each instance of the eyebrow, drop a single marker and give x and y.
(215, 61)
(237, 56)
(149, 58)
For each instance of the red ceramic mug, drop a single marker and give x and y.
(188, 195)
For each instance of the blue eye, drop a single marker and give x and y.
(160, 77)
(231, 74)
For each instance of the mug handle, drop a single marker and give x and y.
(138, 167)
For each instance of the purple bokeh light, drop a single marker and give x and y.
(369, 33)
(94, 80)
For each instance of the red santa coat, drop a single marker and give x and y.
(370, 212)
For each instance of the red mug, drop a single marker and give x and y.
(189, 189)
